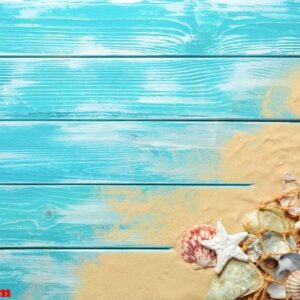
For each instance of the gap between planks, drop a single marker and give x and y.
(237, 120)
(131, 184)
(149, 56)
(162, 248)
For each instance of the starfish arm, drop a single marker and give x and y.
(222, 259)
(240, 255)
(221, 229)
(239, 237)
(210, 244)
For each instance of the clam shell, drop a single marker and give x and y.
(293, 285)
(191, 249)
(238, 279)
(276, 291)
(254, 247)
(274, 244)
(266, 220)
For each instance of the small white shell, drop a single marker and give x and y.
(291, 196)
(293, 285)
(191, 249)
(276, 291)
(254, 247)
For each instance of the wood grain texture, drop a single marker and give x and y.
(124, 27)
(88, 216)
(114, 152)
(144, 88)
(61, 274)
(42, 274)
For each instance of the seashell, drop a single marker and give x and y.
(271, 219)
(289, 183)
(292, 243)
(291, 196)
(293, 285)
(287, 264)
(276, 291)
(297, 225)
(275, 245)
(191, 249)
(254, 247)
(269, 265)
(238, 279)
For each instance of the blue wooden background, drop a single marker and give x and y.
(102, 96)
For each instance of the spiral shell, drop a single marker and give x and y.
(293, 285)
(191, 249)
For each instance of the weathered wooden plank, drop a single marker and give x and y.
(125, 27)
(39, 274)
(106, 216)
(114, 152)
(140, 151)
(81, 274)
(147, 88)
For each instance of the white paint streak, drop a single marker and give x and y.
(125, 1)
(12, 155)
(96, 107)
(88, 45)
(245, 76)
(12, 89)
(90, 213)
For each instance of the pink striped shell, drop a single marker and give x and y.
(191, 249)
(293, 286)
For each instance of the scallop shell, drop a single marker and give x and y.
(293, 286)
(291, 196)
(191, 249)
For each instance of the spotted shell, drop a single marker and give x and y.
(293, 285)
(191, 249)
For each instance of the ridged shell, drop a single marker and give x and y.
(293, 285)
(191, 249)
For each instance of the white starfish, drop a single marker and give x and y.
(226, 246)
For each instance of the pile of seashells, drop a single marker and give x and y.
(261, 263)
